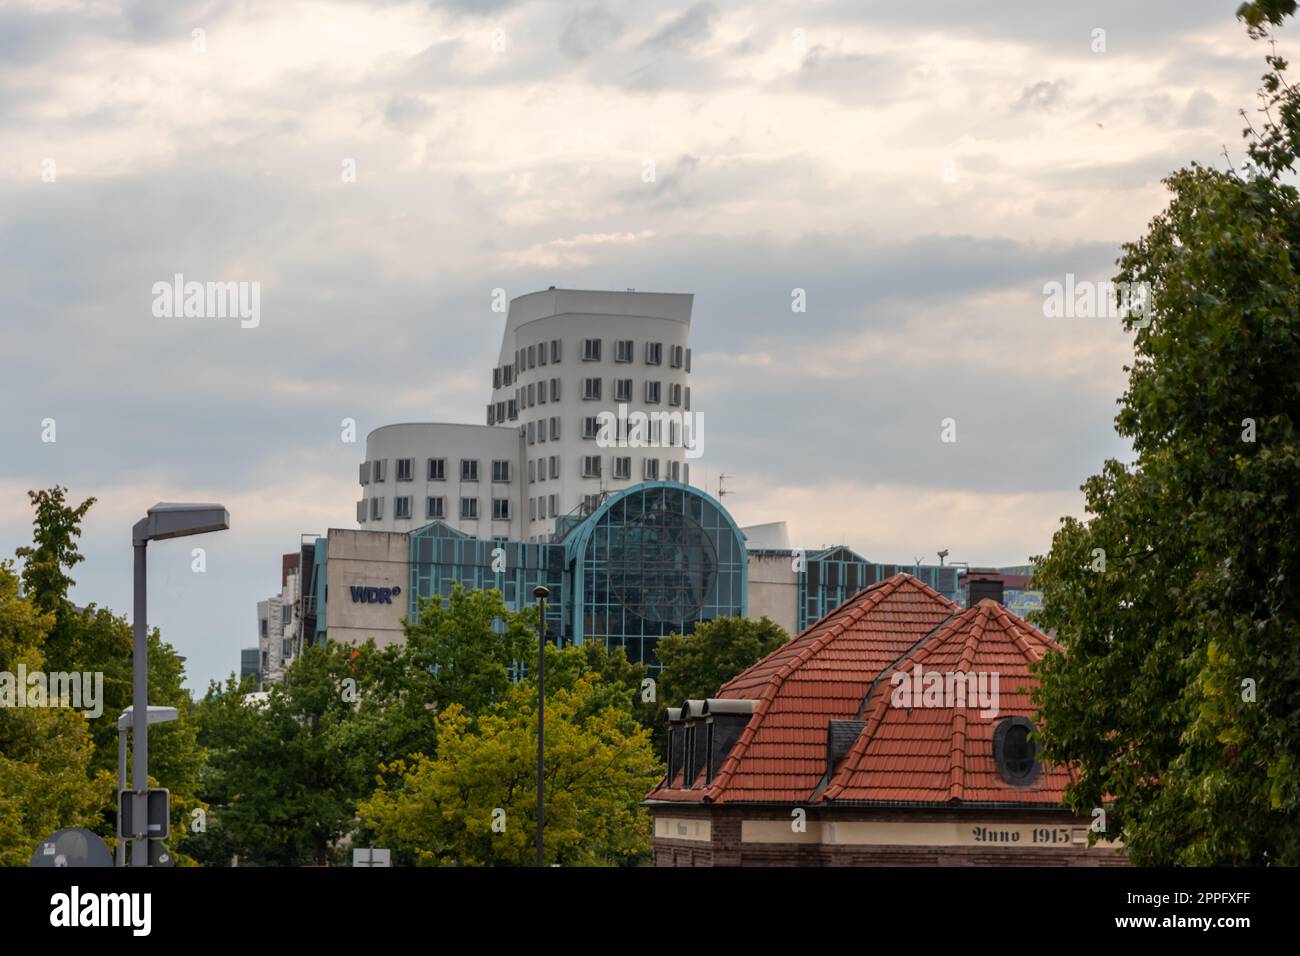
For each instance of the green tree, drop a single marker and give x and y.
(467, 648)
(1178, 600)
(96, 641)
(473, 804)
(45, 778)
(284, 775)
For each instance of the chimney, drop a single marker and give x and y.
(979, 588)
(727, 720)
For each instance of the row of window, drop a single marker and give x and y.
(545, 429)
(624, 353)
(435, 470)
(434, 507)
(592, 390)
(542, 468)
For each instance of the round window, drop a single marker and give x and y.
(1014, 752)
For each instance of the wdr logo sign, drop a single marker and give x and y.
(365, 595)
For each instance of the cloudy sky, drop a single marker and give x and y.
(920, 170)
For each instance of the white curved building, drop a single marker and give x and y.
(567, 356)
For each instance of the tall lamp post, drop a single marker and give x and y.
(541, 592)
(162, 521)
(157, 715)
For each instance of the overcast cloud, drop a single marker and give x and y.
(919, 170)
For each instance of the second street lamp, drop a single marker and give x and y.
(162, 521)
(541, 592)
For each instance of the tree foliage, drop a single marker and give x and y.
(473, 803)
(1178, 600)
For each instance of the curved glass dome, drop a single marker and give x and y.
(657, 558)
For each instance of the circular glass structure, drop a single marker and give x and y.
(653, 560)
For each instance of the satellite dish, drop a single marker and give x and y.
(75, 846)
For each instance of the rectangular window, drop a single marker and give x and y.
(674, 471)
(651, 469)
(555, 466)
(541, 469)
(365, 472)
(361, 511)
(469, 469)
(405, 469)
(500, 509)
(496, 378)
(676, 356)
(551, 505)
(532, 509)
(555, 389)
(623, 467)
(491, 414)
(376, 509)
(380, 471)
(688, 398)
(654, 353)
(688, 360)
(437, 469)
(500, 470)
(532, 356)
(591, 466)
(402, 506)
(435, 508)
(555, 428)
(507, 375)
(674, 394)
(590, 427)
(530, 433)
(623, 350)
(469, 508)
(532, 473)
(622, 390)
(591, 389)
(591, 350)
(530, 394)
(652, 393)
(555, 351)
(541, 393)
(541, 353)
(512, 409)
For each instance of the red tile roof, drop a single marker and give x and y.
(945, 754)
(840, 669)
(822, 674)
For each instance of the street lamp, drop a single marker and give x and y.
(156, 715)
(162, 521)
(541, 592)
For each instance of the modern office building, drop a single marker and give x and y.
(653, 559)
(815, 757)
(628, 548)
(567, 358)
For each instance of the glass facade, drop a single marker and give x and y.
(831, 577)
(441, 556)
(655, 559)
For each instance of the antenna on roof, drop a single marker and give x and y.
(942, 554)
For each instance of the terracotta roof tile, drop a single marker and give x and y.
(841, 668)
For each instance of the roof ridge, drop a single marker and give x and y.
(879, 591)
(834, 782)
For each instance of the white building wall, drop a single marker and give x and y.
(522, 396)
(451, 444)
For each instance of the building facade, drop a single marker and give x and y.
(895, 731)
(569, 360)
